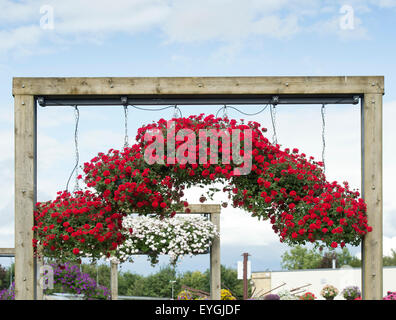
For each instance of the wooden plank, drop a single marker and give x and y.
(25, 195)
(7, 251)
(215, 264)
(39, 266)
(372, 274)
(114, 280)
(204, 208)
(198, 85)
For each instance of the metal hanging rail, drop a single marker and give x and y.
(47, 101)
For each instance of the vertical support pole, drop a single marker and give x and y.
(114, 280)
(372, 274)
(215, 265)
(39, 264)
(25, 195)
(245, 276)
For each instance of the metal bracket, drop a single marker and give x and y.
(124, 101)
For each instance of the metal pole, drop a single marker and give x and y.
(172, 283)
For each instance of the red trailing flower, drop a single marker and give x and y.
(282, 186)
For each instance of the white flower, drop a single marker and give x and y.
(172, 236)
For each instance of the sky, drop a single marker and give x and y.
(149, 38)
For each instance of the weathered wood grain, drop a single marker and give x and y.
(372, 275)
(215, 263)
(199, 85)
(25, 195)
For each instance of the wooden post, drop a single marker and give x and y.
(114, 280)
(245, 276)
(372, 275)
(39, 264)
(215, 266)
(25, 195)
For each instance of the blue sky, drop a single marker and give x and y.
(198, 38)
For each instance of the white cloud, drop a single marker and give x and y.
(332, 27)
(76, 17)
(389, 244)
(12, 12)
(237, 227)
(178, 20)
(20, 38)
(191, 21)
(384, 3)
(7, 236)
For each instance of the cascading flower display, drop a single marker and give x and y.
(78, 225)
(281, 185)
(171, 236)
(68, 279)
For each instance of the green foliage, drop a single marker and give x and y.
(196, 280)
(345, 258)
(301, 257)
(159, 284)
(390, 260)
(5, 276)
(229, 280)
(99, 272)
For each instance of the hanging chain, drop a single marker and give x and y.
(323, 112)
(225, 114)
(77, 117)
(177, 112)
(273, 120)
(126, 138)
(77, 155)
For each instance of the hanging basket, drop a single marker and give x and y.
(283, 186)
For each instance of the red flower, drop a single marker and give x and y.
(76, 251)
(163, 205)
(296, 191)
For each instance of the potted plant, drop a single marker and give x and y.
(351, 292)
(308, 296)
(390, 295)
(329, 292)
(271, 296)
(286, 295)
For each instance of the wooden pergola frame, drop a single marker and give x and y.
(214, 211)
(27, 90)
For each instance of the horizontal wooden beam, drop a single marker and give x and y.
(205, 208)
(198, 85)
(7, 251)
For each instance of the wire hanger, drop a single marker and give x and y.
(77, 155)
